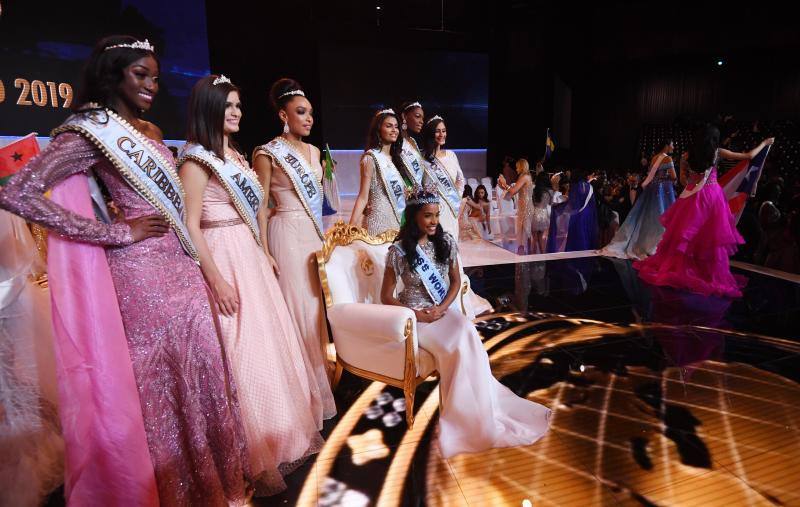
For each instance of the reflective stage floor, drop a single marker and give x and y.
(659, 398)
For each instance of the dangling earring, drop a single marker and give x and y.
(285, 127)
(404, 127)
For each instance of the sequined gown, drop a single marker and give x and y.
(293, 242)
(476, 411)
(381, 216)
(187, 395)
(525, 211)
(639, 235)
(276, 389)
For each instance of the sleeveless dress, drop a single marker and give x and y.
(188, 397)
(267, 356)
(642, 230)
(476, 411)
(700, 235)
(447, 218)
(381, 217)
(525, 210)
(540, 216)
(293, 242)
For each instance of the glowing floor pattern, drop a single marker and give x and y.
(642, 415)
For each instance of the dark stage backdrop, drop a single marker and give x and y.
(358, 81)
(43, 45)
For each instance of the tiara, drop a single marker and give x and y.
(292, 92)
(413, 104)
(419, 195)
(437, 117)
(145, 45)
(221, 79)
(385, 111)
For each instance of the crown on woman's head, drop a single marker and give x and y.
(385, 111)
(292, 92)
(434, 118)
(413, 104)
(144, 45)
(421, 195)
(221, 79)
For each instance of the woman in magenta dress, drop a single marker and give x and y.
(700, 231)
(187, 397)
(225, 210)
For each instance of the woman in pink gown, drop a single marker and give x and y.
(187, 397)
(294, 232)
(700, 231)
(263, 346)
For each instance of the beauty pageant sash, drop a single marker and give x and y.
(300, 173)
(413, 160)
(240, 182)
(447, 187)
(141, 165)
(392, 182)
(690, 190)
(435, 285)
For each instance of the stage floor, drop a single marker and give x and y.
(659, 398)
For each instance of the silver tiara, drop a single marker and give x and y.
(145, 45)
(293, 92)
(437, 117)
(413, 104)
(419, 195)
(385, 111)
(221, 79)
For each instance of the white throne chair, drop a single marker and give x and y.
(372, 340)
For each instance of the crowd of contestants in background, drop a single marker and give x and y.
(770, 223)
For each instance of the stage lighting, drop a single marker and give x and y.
(719, 63)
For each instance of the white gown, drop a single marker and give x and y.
(475, 305)
(31, 447)
(477, 412)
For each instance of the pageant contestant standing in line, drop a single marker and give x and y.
(381, 200)
(641, 231)
(413, 119)
(524, 187)
(188, 398)
(225, 210)
(291, 174)
(443, 165)
(700, 230)
(477, 412)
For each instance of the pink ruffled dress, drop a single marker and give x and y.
(700, 237)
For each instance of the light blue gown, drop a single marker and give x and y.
(642, 229)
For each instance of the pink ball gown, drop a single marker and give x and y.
(187, 396)
(700, 236)
(276, 385)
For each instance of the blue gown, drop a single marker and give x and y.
(573, 224)
(640, 233)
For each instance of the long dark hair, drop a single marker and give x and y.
(374, 139)
(429, 139)
(410, 233)
(485, 193)
(542, 185)
(207, 105)
(467, 192)
(704, 148)
(103, 71)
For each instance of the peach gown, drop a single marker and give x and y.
(278, 394)
(293, 242)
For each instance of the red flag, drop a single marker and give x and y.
(14, 156)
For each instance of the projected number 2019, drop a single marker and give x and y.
(40, 93)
